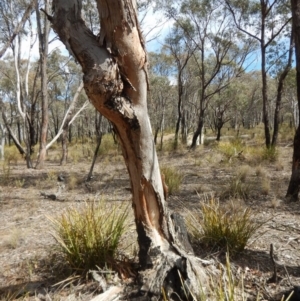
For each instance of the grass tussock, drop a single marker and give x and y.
(222, 227)
(237, 188)
(270, 154)
(73, 182)
(12, 155)
(13, 240)
(231, 149)
(173, 178)
(90, 236)
(265, 186)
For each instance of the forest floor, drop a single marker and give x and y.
(30, 268)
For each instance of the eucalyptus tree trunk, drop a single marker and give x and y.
(280, 88)
(68, 119)
(43, 34)
(115, 80)
(264, 76)
(294, 185)
(99, 134)
(2, 140)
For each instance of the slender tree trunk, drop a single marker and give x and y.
(99, 139)
(64, 144)
(219, 133)
(179, 107)
(184, 128)
(43, 48)
(12, 136)
(2, 141)
(118, 89)
(265, 98)
(199, 132)
(156, 134)
(280, 87)
(18, 28)
(70, 116)
(294, 185)
(264, 13)
(162, 129)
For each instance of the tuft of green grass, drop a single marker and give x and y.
(221, 227)
(90, 236)
(173, 178)
(270, 154)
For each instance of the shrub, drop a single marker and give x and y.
(90, 236)
(173, 178)
(227, 228)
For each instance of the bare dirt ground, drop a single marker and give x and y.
(28, 264)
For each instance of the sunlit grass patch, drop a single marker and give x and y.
(222, 227)
(90, 235)
(12, 155)
(173, 178)
(231, 149)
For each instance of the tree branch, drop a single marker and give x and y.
(18, 28)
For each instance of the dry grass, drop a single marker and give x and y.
(222, 227)
(260, 171)
(13, 239)
(51, 176)
(243, 172)
(237, 188)
(72, 181)
(173, 178)
(12, 155)
(206, 178)
(265, 186)
(89, 236)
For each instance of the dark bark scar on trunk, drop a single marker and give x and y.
(124, 107)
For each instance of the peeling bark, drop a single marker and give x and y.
(115, 80)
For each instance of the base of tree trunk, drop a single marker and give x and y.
(291, 198)
(175, 272)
